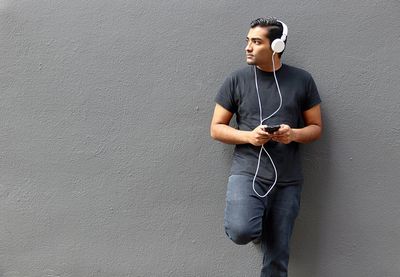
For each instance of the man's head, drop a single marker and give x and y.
(262, 33)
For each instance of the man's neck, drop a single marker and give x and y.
(269, 68)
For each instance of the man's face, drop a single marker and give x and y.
(258, 49)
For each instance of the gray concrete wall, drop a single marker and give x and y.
(106, 164)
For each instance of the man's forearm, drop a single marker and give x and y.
(228, 134)
(307, 134)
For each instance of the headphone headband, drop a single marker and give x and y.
(284, 31)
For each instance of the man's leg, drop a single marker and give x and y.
(244, 210)
(283, 207)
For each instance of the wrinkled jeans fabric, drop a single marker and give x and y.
(248, 217)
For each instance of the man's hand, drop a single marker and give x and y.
(258, 136)
(285, 134)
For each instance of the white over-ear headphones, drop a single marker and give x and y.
(278, 45)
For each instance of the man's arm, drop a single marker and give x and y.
(220, 130)
(311, 132)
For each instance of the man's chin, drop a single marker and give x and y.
(250, 62)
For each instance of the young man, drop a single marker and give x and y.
(264, 187)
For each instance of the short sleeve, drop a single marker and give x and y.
(312, 96)
(226, 95)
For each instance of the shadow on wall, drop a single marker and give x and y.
(305, 254)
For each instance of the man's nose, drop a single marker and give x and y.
(248, 47)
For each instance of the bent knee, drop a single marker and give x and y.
(241, 234)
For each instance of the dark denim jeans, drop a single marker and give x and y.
(248, 217)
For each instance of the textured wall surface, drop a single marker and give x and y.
(106, 164)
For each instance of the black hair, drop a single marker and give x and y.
(274, 27)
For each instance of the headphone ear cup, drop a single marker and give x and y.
(278, 45)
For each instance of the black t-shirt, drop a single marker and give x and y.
(238, 95)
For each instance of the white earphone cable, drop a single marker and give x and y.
(261, 122)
